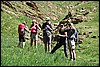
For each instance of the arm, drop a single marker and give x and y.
(63, 35)
(26, 28)
(30, 27)
(50, 28)
(38, 27)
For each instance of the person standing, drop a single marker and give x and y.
(34, 33)
(47, 35)
(21, 30)
(62, 40)
(71, 41)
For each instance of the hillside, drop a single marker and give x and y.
(15, 12)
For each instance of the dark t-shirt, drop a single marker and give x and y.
(47, 29)
(62, 40)
(45, 24)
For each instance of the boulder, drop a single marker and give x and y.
(93, 37)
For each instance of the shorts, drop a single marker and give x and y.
(21, 38)
(34, 36)
(71, 44)
(47, 39)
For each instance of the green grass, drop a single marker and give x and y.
(11, 55)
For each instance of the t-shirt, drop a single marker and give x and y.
(62, 40)
(47, 29)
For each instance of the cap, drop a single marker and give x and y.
(33, 20)
(47, 18)
(24, 22)
(61, 24)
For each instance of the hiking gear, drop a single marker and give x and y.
(33, 20)
(48, 28)
(47, 18)
(24, 22)
(48, 33)
(76, 35)
(73, 34)
(34, 30)
(21, 29)
(71, 59)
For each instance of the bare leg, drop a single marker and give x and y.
(23, 44)
(74, 55)
(71, 55)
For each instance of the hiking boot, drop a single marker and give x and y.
(74, 59)
(71, 59)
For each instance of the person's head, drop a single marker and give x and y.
(47, 19)
(61, 25)
(71, 25)
(24, 23)
(33, 21)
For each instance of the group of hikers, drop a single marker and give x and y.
(66, 36)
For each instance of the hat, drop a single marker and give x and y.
(47, 18)
(61, 24)
(33, 20)
(24, 22)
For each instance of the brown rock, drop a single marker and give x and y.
(90, 32)
(93, 37)
(84, 33)
(79, 33)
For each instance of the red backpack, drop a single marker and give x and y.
(34, 30)
(21, 28)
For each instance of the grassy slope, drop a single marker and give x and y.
(88, 55)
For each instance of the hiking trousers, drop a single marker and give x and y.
(58, 45)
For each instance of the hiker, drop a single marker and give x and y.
(34, 33)
(62, 40)
(71, 41)
(21, 30)
(47, 34)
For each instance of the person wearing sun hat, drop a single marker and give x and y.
(34, 33)
(47, 34)
(21, 30)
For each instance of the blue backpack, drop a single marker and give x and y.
(76, 36)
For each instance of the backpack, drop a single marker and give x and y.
(34, 30)
(21, 29)
(76, 36)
